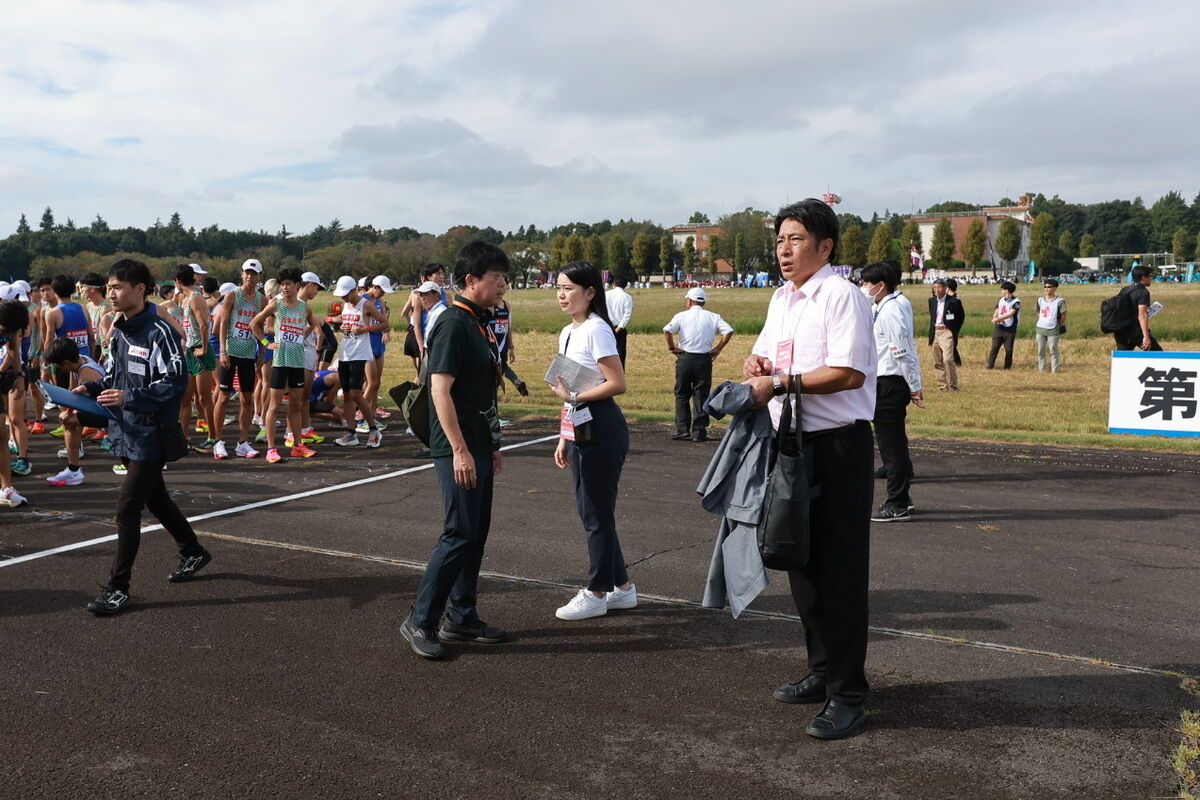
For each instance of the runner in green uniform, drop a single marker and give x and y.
(199, 356)
(239, 351)
(294, 319)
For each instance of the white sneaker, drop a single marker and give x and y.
(584, 605)
(67, 477)
(219, 451)
(245, 450)
(10, 498)
(620, 599)
(374, 439)
(62, 452)
(349, 440)
(257, 421)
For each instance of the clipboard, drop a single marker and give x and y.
(79, 402)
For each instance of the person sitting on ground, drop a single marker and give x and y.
(65, 355)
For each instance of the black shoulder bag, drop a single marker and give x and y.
(783, 524)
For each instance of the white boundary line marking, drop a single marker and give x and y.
(679, 601)
(251, 506)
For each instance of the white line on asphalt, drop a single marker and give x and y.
(251, 506)
(679, 601)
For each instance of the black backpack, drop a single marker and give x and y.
(1116, 313)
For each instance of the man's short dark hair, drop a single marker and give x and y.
(816, 217)
(1142, 272)
(93, 280)
(45, 280)
(940, 281)
(62, 351)
(14, 318)
(289, 274)
(621, 282)
(1008, 286)
(477, 258)
(63, 286)
(1050, 282)
(430, 269)
(133, 272)
(210, 285)
(881, 272)
(185, 274)
(951, 284)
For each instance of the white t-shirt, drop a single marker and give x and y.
(696, 328)
(588, 343)
(1048, 312)
(355, 346)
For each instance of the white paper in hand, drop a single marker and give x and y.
(576, 376)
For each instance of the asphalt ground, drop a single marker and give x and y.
(1025, 625)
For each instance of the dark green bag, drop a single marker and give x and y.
(783, 524)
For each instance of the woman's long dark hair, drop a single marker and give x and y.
(585, 274)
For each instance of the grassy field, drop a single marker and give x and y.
(1018, 405)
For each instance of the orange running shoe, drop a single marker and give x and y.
(302, 451)
(38, 427)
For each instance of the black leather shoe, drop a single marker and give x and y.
(424, 643)
(680, 436)
(836, 721)
(700, 436)
(881, 472)
(810, 689)
(479, 632)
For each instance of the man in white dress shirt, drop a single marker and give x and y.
(897, 383)
(694, 357)
(620, 311)
(818, 339)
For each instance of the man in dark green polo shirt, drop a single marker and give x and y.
(464, 438)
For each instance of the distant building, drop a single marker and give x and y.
(700, 235)
(992, 217)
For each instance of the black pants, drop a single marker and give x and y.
(693, 379)
(1132, 340)
(891, 408)
(831, 591)
(622, 338)
(596, 472)
(143, 487)
(1004, 338)
(453, 570)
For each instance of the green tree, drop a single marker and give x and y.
(1169, 213)
(852, 246)
(1181, 245)
(1087, 246)
(941, 249)
(23, 228)
(714, 252)
(593, 249)
(1197, 250)
(573, 250)
(666, 254)
(698, 218)
(1008, 240)
(1066, 244)
(558, 246)
(758, 237)
(639, 256)
(739, 253)
(910, 237)
(951, 205)
(47, 223)
(974, 244)
(689, 254)
(1043, 249)
(881, 243)
(618, 256)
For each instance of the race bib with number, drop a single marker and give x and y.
(290, 334)
(566, 428)
(241, 330)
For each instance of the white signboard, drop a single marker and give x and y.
(1154, 393)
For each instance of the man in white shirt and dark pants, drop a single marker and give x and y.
(818, 337)
(897, 383)
(620, 311)
(694, 357)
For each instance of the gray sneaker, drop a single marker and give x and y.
(424, 643)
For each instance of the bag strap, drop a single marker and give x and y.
(785, 416)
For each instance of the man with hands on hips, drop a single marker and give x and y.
(818, 341)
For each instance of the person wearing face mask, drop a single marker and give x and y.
(897, 383)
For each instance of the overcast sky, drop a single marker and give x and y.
(253, 115)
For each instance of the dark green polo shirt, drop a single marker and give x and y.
(458, 347)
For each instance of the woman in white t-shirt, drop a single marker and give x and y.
(594, 440)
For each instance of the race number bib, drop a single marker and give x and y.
(501, 326)
(566, 428)
(80, 338)
(290, 334)
(241, 330)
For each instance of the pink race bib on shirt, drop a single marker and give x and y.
(783, 356)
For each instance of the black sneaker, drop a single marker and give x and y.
(479, 632)
(522, 389)
(424, 643)
(881, 472)
(109, 601)
(700, 436)
(891, 514)
(189, 566)
(681, 436)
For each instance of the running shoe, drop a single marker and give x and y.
(68, 477)
(219, 452)
(374, 439)
(21, 466)
(38, 427)
(261, 436)
(106, 444)
(10, 498)
(362, 427)
(109, 601)
(380, 426)
(504, 423)
(289, 440)
(60, 431)
(349, 440)
(12, 447)
(101, 434)
(273, 456)
(201, 426)
(62, 452)
(205, 447)
(522, 389)
(189, 566)
(312, 437)
(245, 450)
(89, 433)
(301, 451)
(258, 420)
(383, 414)
(119, 469)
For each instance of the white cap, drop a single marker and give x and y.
(251, 264)
(345, 285)
(226, 287)
(311, 277)
(199, 270)
(24, 284)
(383, 282)
(696, 295)
(362, 282)
(428, 286)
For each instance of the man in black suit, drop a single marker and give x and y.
(945, 320)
